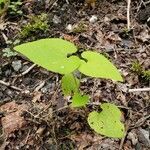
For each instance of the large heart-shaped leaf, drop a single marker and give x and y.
(107, 122)
(79, 100)
(99, 66)
(70, 84)
(51, 54)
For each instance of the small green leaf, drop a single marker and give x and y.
(70, 84)
(79, 100)
(107, 122)
(99, 66)
(51, 54)
(1, 1)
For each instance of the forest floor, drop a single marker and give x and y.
(45, 122)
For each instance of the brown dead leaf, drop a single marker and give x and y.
(84, 139)
(144, 36)
(100, 37)
(70, 38)
(122, 98)
(112, 37)
(37, 96)
(12, 120)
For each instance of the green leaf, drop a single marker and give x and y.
(51, 54)
(79, 100)
(1, 1)
(70, 84)
(99, 66)
(107, 122)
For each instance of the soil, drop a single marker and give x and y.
(35, 99)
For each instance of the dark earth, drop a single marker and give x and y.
(34, 115)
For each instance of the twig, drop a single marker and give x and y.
(122, 140)
(9, 85)
(146, 3)
(127, 125)
(128, 14)
(39, 86)
(93, 90)
(67, 1)
(140, 122)
(139, 90)
(27, 71)
(13, 87)
(51, 7)
(55, 138)
(27, 137)
(64, 107)
(5, 37)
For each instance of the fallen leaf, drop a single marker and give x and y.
(13, 120)
(37, 96)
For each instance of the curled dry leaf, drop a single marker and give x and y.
(13, 119)
(37, 96)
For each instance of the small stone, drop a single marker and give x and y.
(16, 65)
(106, 19)
(56, 19)
(144, 137)
(93, 19)
(69, 28)
(138, 146)
(133, 137)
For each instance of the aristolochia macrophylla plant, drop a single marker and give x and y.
(55, 55)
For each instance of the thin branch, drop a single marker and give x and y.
(9, 85)
(27, 71)
(67, 1)
(127, 126)
(13, 87)
(39, 86)
(140, 122)
(128, 14)
(139, 90)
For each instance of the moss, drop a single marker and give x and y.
(146, 75)
(140, 71)
(79, 28)
(36, 23)
(137, 68)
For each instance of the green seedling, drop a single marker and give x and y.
(58, 55)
